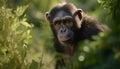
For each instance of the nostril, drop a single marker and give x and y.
(61, 31)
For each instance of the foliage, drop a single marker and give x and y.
(114, 9)
(15, 38)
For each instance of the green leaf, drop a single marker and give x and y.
(33, 65)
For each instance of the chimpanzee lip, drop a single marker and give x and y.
(64, 38)
(67, 39)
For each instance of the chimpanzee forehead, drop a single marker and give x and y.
(62, 14)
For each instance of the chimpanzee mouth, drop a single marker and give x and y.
(66, 39)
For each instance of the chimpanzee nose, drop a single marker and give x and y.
(63, 30)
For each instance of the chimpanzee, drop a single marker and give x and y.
(70, 26)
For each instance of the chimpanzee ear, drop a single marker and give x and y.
(78, 17)
(47, 15)
(79, 13)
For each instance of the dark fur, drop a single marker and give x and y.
(89, 27)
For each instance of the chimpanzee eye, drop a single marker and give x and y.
(57, 22)
(68, 21)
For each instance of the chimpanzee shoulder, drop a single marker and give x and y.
(89, 28)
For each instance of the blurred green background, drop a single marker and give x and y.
(26, 38)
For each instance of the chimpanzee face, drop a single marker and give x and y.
(63, 25)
